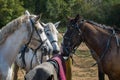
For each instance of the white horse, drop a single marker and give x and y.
(52, 34)
(12, 37)
(31, 60)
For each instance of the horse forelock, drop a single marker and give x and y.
(52, 27)
(11, 27)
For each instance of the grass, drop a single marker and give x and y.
(83, 53)
(82, 70)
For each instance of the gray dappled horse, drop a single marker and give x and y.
(53, 69)
(12, 36)
(31, 60)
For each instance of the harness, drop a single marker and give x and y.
(35, 51)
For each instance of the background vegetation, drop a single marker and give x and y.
(101, 11)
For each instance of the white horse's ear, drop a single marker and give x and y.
(27, 13)
(57, 23)
(37, 18)
(43, 24)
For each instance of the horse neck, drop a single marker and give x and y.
(95, 38)
(11, 46)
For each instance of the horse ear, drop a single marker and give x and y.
(57, 23)
(37, 18)
(40, 15)
(78, 17)
(27, 13)
(43, 24)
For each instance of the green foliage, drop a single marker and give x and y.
(10, 9)
(28, 5)
(56, 9)
(114, 16)
(101, 11)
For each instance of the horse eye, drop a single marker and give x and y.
(40, 31)
(47, 34)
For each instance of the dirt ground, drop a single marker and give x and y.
(81, 68)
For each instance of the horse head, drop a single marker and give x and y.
(72, 37)
(39, 39)
(52, 34)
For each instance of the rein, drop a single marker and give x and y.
(107, 46)
(26, 45)
(35, 51)
(106, 49)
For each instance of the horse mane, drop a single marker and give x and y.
(10, 28)
(109, 28)
(53, 29)
(99, 25)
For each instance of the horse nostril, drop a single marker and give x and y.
(55, 52)
(45, 50)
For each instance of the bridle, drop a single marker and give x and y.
(69, 38)
(54, 41)
(77, 28)
(33, 28)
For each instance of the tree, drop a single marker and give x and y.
(10, 9)
(114, 17)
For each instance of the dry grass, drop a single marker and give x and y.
(83, 69)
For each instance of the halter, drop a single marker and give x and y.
(76, 28)
(53, 40)
(26, 45)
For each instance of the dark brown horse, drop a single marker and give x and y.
(101, 40)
